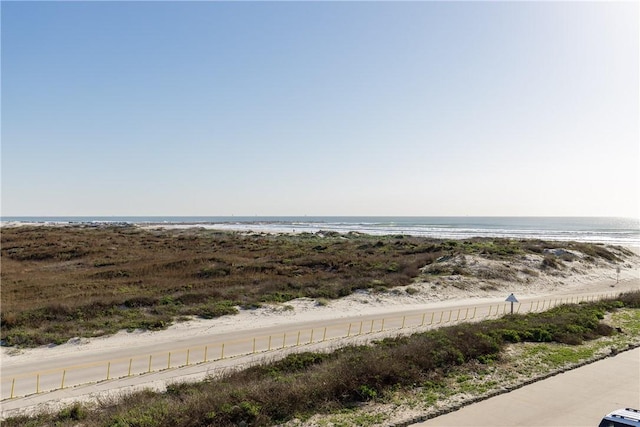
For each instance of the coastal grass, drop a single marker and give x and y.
(87, 281)
(433, 365)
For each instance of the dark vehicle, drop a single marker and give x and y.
(621, 418)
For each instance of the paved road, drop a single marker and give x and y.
(576, 398)
(34, 382)
(26, 377)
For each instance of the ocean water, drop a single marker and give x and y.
(618, 231)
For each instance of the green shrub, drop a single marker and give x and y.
(216, 309)
(75, 412)
(550, 261)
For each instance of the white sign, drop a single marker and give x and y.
(511, 298)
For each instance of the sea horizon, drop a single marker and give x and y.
(611, 230)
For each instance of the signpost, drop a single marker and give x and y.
(511, 298)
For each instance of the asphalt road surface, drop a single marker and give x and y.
(43, 382)
(25, 377)
(580, 397)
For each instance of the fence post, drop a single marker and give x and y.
(458, 316)
(108, 369)
(38, 384)
(423, 316)
(432, 315)
(63, 375)
(403, 319)
(311, 339)
(360, 330)
(254, 344)
(129, 373)
(349, 330)
(269, 342)
(150, 356)
(13, 385)
(382, 327)
(298, 340)
(371, 326)
(188, 350)
(474, 312)
(284, 339)
(324, 334)
(222, 352)
(205, 353)
(169, 361)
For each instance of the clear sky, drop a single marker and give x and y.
(320, 108)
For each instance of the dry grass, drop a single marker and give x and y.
(62, 282)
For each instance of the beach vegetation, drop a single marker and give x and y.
(412, 291)
(109, 278)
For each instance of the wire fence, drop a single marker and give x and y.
(59, 378)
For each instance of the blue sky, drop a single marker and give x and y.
(320, 108)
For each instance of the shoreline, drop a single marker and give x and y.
(597, 230)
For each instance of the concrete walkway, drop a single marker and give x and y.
(580, 397)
